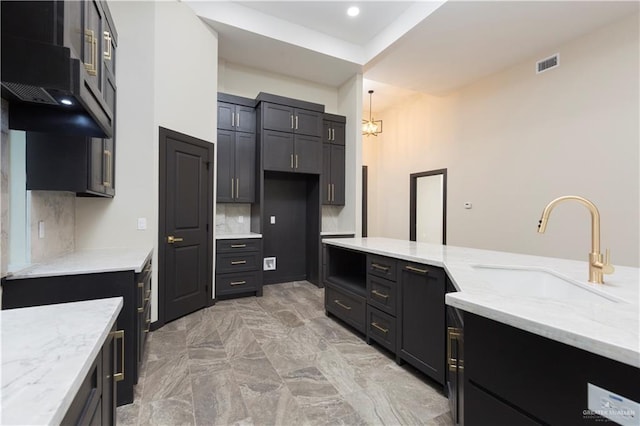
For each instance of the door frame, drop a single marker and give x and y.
(162, 247)
(413, 182)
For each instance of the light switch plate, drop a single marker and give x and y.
(272, 219)
(41, 229)
(142, 223)
(614, 407)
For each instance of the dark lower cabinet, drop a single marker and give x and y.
(95, 401)
(238, 267)
(134, 319)
(421, 318)
(455, 363)
(516, 377)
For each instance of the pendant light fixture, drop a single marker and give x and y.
(371, 126)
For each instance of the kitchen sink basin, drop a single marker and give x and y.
(540, 283)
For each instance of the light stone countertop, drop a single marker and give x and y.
(88, 261)
(334, 233)
(237, 236)
(606, 328)
(47, 352)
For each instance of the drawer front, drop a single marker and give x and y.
(346, 306)
(235, 246)
(382, 294)
(237, 262)
(382, 267)
(237, 283)
(143, 285)
(381, 327)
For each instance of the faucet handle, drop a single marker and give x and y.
(607, 267)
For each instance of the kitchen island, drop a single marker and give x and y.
(47, 354)
(522, 337)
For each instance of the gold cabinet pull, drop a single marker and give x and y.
(417, 270)
(238, 262)
(232, 197)
(380, 267)
(296, 122)
(292, 161)
(237, 282)
(377, 293)
(452, 334)
(171, 239)
(333, 192)
(107, 39)
(376, 325)
(333, 134)
(296, 160)
(328, 192)
(292, 121)
(329, 137)
(238, 120)
(233, 119)
(119, 334)
(337, 302)
(237, 187)
(238, 245)
(92, 67)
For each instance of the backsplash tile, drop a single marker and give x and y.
(58, 211)
(4, 189)
(330, 218)
(233, 218)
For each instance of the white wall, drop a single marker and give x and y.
(166, 76)
(514, 141)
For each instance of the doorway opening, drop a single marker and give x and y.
(428, 206)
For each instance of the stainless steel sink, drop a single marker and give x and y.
(540, 283)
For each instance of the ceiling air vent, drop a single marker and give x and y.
(548, 63)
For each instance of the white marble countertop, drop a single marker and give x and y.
(88, 261)
(238, 236)
(47, 352)
(606, 328)
(332, 233)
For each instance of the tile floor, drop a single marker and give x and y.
(275, 360)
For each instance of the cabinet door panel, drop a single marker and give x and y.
(93, 43)
(245, 167)
(308, 122)
(277, 151)
(338, 133)
(245, 119)
(225, 165)
(97, 165)
(326, 132)
(225, 116)
(308, 152)
(109, 183)
(326, 174)
(337, 174)
(277, 117)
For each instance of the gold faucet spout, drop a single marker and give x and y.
(596, 265)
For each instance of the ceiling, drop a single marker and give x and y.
(400, 47)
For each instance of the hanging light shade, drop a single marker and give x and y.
(371, 126)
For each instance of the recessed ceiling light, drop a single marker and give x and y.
(353, 11)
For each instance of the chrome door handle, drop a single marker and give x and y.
(171, 239)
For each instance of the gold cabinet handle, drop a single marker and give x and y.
(233, 119)
(296, 122)
(337, 302)
(119, 334)
(92, 67)
(292, 121)
(237, 187)
(296, 159)
(238, 245)
(107, 39)
(329, 137)
(333, 134)
(238, 120)
(377, 293)
(417, 270)
(148, 323)
(237, 282)
(380, 267)
(292, 161)
(238, 262)
(452, 334)
(328, 192)
(376, 325)
(141, 287)
(171, 239)
(232, 197)
(333, 192)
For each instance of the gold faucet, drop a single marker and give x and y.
(597, 268)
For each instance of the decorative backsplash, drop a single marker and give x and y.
(233, 218)
(330, 218)
(58, 212)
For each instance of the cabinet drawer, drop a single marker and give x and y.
(235, 246)
(237, 283)
(381, 327)
(237, 262)
(382, 267)
(382, 294)
(346, 306)
(143, 285)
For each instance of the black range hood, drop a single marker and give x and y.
(47, 89)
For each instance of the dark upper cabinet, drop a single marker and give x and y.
(75, 44)
(236, 167)
(77, 164)
(288, 119)
(238, 118)
(333, 157)
(286, 152)
(333, 174)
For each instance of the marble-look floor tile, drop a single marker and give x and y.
(277, 407)
(442, 420)
(241, 342)
(167, 378)
(331, 411)
(338, 371)
(128, 415)
(255, 374)
(166, 344)
(308, 384)
(332, 331)
(217, 399)
(288, 318)
(167, 412)
(286, 355)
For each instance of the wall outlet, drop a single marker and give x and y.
(41, 229)
(142, 223)
(272, 220)
(269, 264)
(614, 407)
